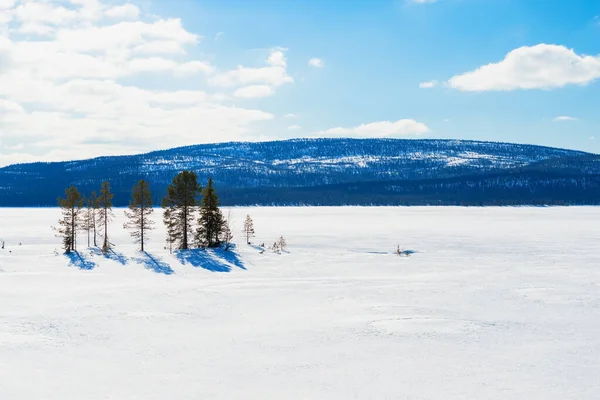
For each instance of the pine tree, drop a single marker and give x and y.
(93, 200)
(140, 208)
(171, 226)
(105, 213)
(70, 221)
(88, 220)
(210, 223)
(180, 205)
(226, 233)
(248, 228)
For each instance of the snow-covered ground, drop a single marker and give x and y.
(496, 303)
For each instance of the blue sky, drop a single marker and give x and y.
(187, 72)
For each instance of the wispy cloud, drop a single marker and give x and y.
(428, 85)
(316, 62)
(564, 118)
(379, 129)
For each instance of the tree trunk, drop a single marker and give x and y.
(72, 245)
(142, 228)
(185, 220)
(105, 246)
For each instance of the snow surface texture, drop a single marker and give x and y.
(495, 303)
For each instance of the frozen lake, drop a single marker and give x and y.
(496, 303)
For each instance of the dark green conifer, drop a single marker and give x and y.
(71, 206)
(211, 221)
(180, 205)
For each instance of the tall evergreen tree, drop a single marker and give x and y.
(211, 221)
(105, 213)
(140, 208)
(71, 206)
(180, 204)
(248, 228)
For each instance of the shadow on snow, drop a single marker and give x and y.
(77, 260)
(215, 260)
(111, 255)
(155, 264)
(118, 257)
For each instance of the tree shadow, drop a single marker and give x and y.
(111, 255)
(118, 257)
(229, 256)
(77, 260)
(215, 260)
(155, 264)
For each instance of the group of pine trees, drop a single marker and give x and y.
(92, 215)
(191, 215)
(190, 221)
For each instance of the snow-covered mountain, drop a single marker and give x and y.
(275, 172)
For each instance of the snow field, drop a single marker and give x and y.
(496, 303)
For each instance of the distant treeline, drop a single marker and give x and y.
(525, 188)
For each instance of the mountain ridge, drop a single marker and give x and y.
(260, 167)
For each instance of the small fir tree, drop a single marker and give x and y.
(226, 233)
(180, 204)
(248, 228)
(281, 243)
(140, 209)
(275, 247)
(105, 213)
(210, 223)
(71, 207)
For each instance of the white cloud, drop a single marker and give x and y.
(274, 75)
(428, 85)
(565, 118)
(380, 129)
(290, 115)
(193, 68)
(6, 4)
(254, 91)
(35, 28)
(63, 93)
(316, 62)
(277, 59)
(160, 47)
(294, 127)
(125, 11)
(10, 107)
(42, 12)
(543, 66)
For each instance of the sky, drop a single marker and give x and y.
(86, 78)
